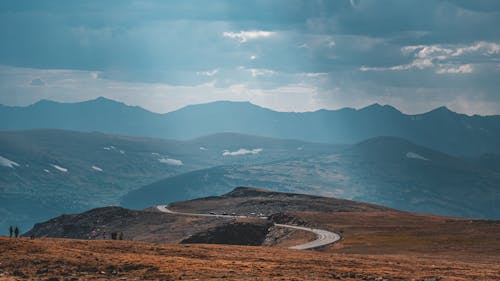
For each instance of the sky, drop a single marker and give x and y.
(285, 55)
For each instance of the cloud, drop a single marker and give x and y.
(244, 36)
(314, 74)
(261, 72)
(418, 63)
(318, 54)
(465, 68)
(354, 3)
(439, 57)
(209, 73)
(171, 161)
(241, 151)
(486, 48)
(37, 82)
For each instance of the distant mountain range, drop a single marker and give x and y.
(44, 173)
(388, 171)
(440, 129)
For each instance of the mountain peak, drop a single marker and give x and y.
(243, 191)
(102, 99)
(379, 108)
(224, 105)
(44, 102)
(442, 110)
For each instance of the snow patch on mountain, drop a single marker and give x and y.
(241, 151)
(57, 167)
(414, 155)
(97, 168)
(171, 161)
(7, 163)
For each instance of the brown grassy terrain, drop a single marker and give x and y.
(406, 233)
(65, 259)
(247, 200)
(377, 244)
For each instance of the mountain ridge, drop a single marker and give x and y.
(440, 129)
(374, 105)
(385, 170)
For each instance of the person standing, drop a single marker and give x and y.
(16, 232)
(10, 231)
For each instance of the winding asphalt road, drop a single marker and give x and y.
(324, 237)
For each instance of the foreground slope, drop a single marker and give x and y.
(440, 129)
(98, 260)
(377, 244)
(387, 171)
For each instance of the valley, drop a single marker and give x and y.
(387, 171)
(58, 171)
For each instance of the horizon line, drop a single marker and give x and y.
(375, 104)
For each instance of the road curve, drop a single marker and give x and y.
(324, 237)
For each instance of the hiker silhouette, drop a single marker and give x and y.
(10, 231)
(16, 232)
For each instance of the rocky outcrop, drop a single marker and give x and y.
(285, 218)
(233, 233)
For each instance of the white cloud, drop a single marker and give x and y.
(244, 36)
(301, 93)
(465, 68)
(76, 86)
(94, 75)
(261, 72)
(429, 56)
(314, 74)
(171, 161)
(253, 57)
(241, 151)
(489, 48)
(418, 63)
(209, 73)
(354, 3)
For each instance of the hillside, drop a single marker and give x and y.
(440, 129)
(150, 225)
(387, 171)
(55, 259)
(377, 243)
(147, 226)
(44, 173)
(248, 200)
